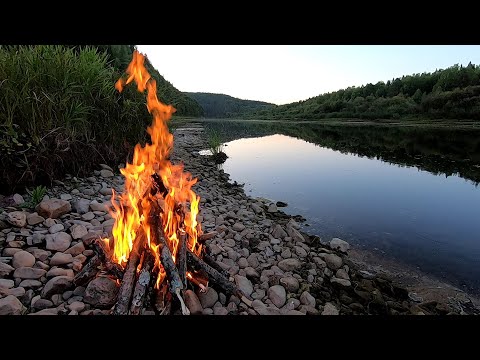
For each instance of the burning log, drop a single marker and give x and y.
(88, 272)
(126, 289)
(182, 258)
(143, 283)
(102, 253)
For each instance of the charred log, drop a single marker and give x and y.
(126, 289)
(88, 272)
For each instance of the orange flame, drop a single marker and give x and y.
(131, 210)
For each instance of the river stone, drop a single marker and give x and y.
(278, 232)
(342, 282)
(106, 173)
(18, 199)
(59, 241)
(6, 283)
(277, 295)
(41, 304)
(56, 285)
(320, 263)
(220, 310)
(29, 273)
(290, 264)
(272, 208)
(244, 284)
(23, 258)
(76, 249)
(77, 306)
(30, 283)
(295, 234)
(66, 197)
(88, 216)
(286, 254)
(61, 259)
(193, 303)
(242, 263)
(39, 254)
(238, 227)
(96, 206)
(38, 238)
(50, 311)
(307, 299)
(333, 261)
(17, 218)
(301, 252)
(34, 219)
(330, 309)
(208, 299)
(81, 206)
(290, 283)
(56, 228)
(10, 305)
(101, 292)
(253, 261)
(53, 208)
(342, 274)
(339, 244)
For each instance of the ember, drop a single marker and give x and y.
(156, 249)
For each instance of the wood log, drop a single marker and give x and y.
(88, 272)
(176, 284)
(216, 277)
(103, 254)
(207, 236)
(143, 283)
(125, 293)
(209, 260)
(182, 259)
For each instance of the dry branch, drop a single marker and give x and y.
(88, 272)
(143, 283)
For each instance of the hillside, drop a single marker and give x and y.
(452, 93)
(225, 106)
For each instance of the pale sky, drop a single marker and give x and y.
(282, 74)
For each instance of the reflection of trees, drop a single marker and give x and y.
(441, 151)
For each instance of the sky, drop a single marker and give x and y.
(282, 74)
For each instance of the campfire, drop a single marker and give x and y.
(156, 252)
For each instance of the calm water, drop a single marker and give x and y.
(430, 221)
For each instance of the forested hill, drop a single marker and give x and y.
(225, 106)
(452, 93)
(121, 55)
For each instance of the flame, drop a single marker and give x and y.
(132, 207)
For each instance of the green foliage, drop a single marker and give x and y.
(60, 112)
(36, 196)
(452, 93)
(225, 106)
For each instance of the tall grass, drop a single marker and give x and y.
(60, 112)
(214, 139)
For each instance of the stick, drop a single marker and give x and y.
(88, 272)
(142, 285)
(209, 260)
(207, 236)
(125, 292)
(217, 277)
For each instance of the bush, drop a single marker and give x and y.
(60, 113)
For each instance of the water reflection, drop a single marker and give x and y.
(417, 210)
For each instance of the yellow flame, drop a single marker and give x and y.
(132, 208)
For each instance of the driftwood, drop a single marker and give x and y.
(182, 259)
(102, 253)
(126, 289)
(209, 260)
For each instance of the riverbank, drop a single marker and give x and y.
(282, 269)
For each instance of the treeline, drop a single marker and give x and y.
(452, 93)
(60, 112)
(225, 106)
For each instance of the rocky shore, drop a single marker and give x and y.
(282, 269)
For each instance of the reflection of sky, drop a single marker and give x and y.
(424, 218)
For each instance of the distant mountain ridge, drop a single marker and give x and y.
(226, 106)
